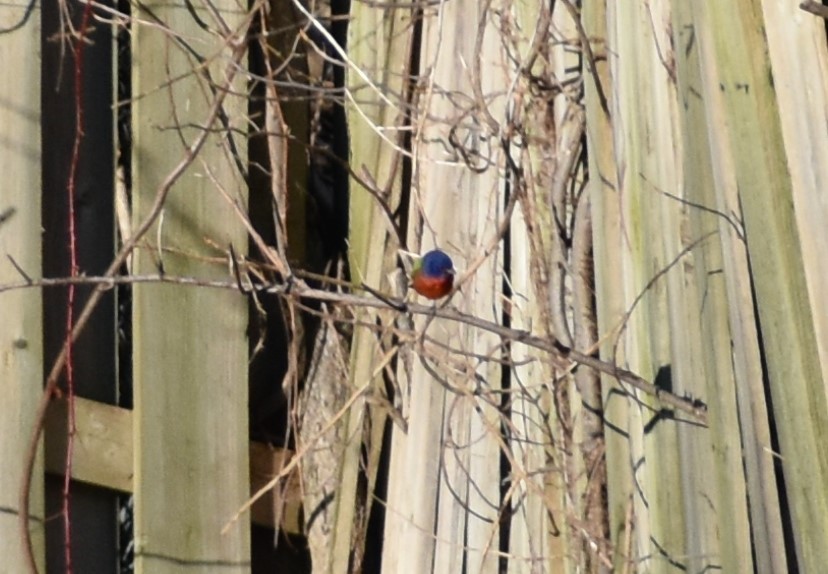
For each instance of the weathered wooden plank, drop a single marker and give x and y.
(797, 53)
(103, 456)
(799, 60)
(379, 44)
(643, 131)
(102, 453)
(190, 349)
(21, 341)
(538, 492)
(739, 94)
(719, 471)
(448, 483)
(607, 244)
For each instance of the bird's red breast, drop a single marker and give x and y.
(432, 287)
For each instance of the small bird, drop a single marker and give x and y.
(432, 276)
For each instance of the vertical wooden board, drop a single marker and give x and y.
(746, 86)
(462, 210)
(716, 380)
(432, 523)
(413, 480)
(531, 445)
(190, 350)
(799, 60)
(483, 476)
(607, 243)
(414, 464)
(645, 148)
(379, 43)
(378, 47)
(674, 336)
(482, 294)
(453, 490)
(632, 342)
(21, 342)
(536, 494)
(759, 463)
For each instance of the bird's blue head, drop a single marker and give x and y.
(435, 263)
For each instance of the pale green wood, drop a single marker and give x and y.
(645, 145)
(190, 348)
(103, 456)
(798, 55)
(765, 511)
(378, 47)
(21, 342)
(102, 451)
(675, 488)
(742, 77)
(738, 538)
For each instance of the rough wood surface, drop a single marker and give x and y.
(21, 340)
(752, 119)
(445, 475)
(103, 456)
(190, 346)
(379, 45)
(324, 394)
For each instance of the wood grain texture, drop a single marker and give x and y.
(750, 116)
(190, 346)
(747, 508)
(610, 305)
(539, 497)
(799, 60)
(448, 476)
(379, 45)
(102, 453)
(646, 240)
(21, 340)
(103, 456)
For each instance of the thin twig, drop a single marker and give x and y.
(6, 214)
(815, 8)
(20, 270)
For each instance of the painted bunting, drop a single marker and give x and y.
(433, 275)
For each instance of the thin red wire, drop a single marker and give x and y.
(73, 262)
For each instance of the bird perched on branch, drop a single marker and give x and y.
(432, 275)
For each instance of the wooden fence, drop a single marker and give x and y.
(629, 378)
(189, 418)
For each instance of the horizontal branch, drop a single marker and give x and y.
(297, 289)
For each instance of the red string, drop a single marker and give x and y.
(73, 262)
